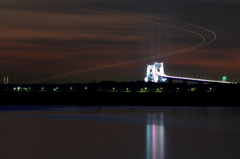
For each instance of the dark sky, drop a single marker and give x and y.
(39, 40)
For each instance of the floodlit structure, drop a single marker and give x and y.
(155, 73)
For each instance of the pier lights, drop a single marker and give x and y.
(85, 88)
(126, 89)
(71, 88)
(113, 88)
(141, 89)
(158, 89)
(42, 88)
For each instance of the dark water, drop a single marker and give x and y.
(119, 132)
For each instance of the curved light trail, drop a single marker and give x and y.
(206, 35)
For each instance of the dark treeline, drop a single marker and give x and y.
(121, 93)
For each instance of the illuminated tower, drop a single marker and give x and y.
(6, 80)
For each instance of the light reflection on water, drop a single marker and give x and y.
(155, 142)
(119, 132)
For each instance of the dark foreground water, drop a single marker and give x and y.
(71, 132)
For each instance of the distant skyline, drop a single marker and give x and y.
(39, 40)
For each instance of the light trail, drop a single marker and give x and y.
(206, 35)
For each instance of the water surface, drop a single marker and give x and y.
(119, 132)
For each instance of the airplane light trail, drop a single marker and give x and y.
(206, 35)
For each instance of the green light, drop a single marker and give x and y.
(71, 88)
(224, 78)
(141, 89)
(14, 88)
(42, 87)
(113, 88)
(85, 87)
(145, 88)
(157, 89)
(127, 89)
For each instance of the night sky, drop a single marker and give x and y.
(39, 40)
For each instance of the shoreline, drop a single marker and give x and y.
(121, 98)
